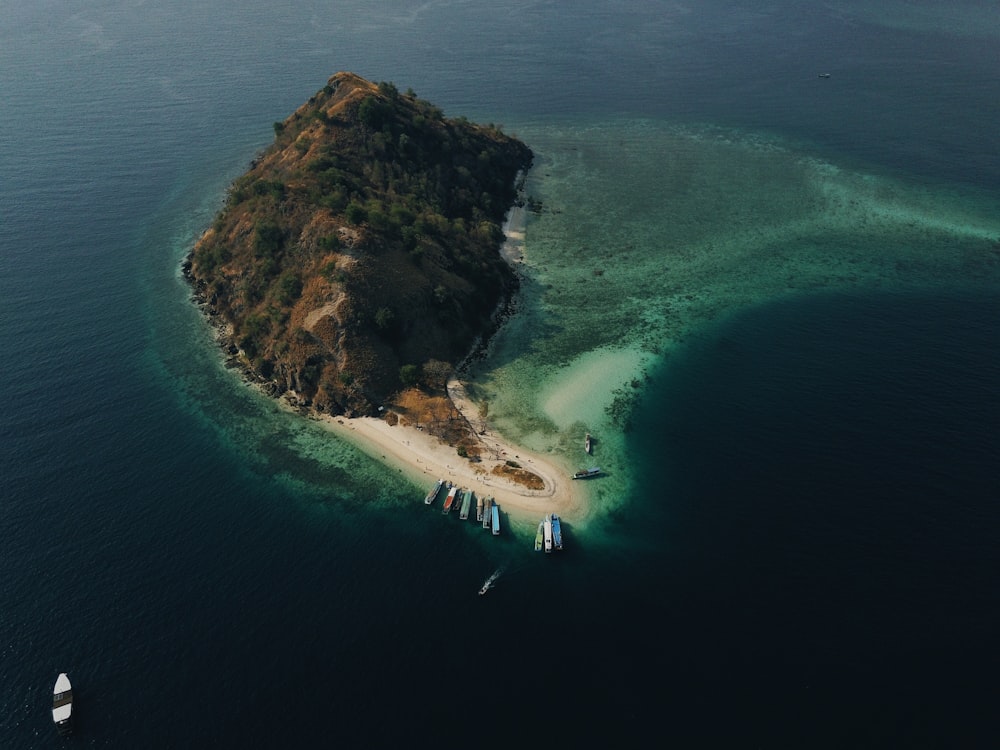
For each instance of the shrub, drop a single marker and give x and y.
(409, 375)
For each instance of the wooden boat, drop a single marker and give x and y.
(587, 443)
(593, 471)
(62, 704)
(479, 509)
(433, 492)
(449, 501)
(556, 532)
(547, 530)
(487, 512)
(466, 505)
(496, 519)
(540, 535)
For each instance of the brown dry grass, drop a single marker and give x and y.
(436, 414)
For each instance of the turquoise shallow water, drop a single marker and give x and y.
(770, 296)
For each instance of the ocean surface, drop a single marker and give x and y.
(772, 297)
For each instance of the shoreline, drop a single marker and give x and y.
(424, 457)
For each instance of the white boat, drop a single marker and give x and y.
(433, 493)
(62, 704)
(548, 533)
(488, 584)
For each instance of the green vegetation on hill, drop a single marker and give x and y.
(360, 251)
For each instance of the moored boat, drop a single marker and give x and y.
(540, 535)
(587, 443)
(449, 501)
(593, 471)
(488, 512)
(466, 504)
(62, 704)
(547, 531)
(433, 492)
(496, 519)
(479, 508)
(556, 532)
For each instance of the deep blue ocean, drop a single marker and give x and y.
(809, 552)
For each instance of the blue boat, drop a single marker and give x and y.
(496, 519)
(556, 532)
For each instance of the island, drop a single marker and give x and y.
(359, 261)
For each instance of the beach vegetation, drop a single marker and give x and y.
(409, 375)
(384, 318)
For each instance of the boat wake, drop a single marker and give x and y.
(488, 584)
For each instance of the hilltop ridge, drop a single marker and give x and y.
(359, 255)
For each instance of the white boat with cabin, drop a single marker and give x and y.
(62, 704)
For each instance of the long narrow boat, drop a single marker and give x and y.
(587, 443)
(487, 512)
(450, 500)
(62, 704)
(548, 533)
(556, 532)
(540, 535)
(593, 471)
(496, 519)
(466, 505)
(479, 508)
(433, 492)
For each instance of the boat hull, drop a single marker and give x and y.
(556, 532)
(433, 493)
(449, 502)
(62, 705)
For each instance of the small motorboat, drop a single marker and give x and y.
(62, 704)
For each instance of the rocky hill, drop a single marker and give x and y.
(359, 255)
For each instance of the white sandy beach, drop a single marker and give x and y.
(425, 459)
